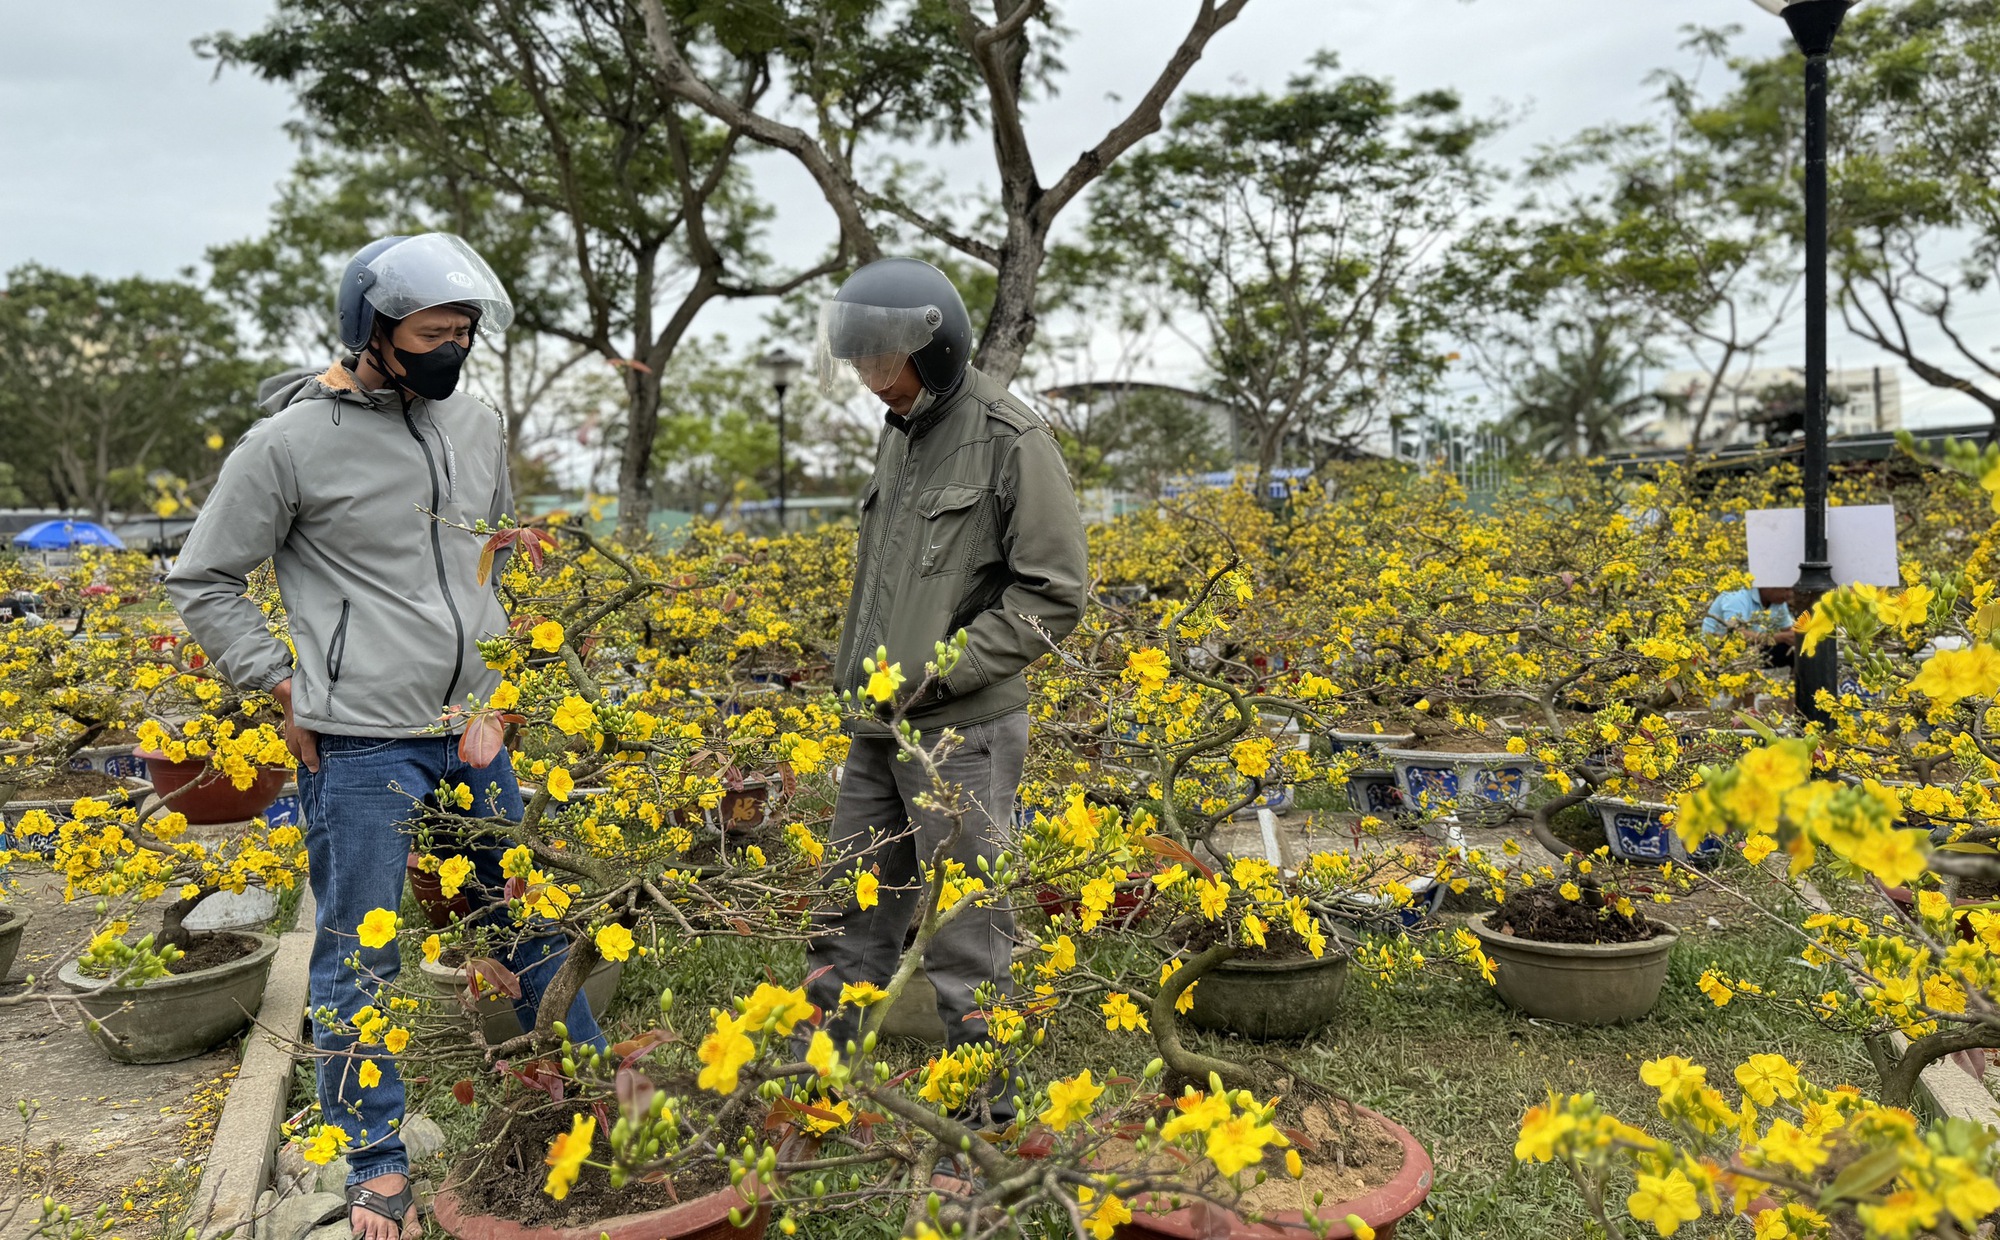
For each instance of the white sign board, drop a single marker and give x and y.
(1861, 543)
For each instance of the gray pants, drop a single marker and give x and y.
(877, 806)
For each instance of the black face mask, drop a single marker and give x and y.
(432, 375)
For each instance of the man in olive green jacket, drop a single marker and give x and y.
(969, 523)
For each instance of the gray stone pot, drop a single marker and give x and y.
(177, 1017)
(12, 925)
(497, 1019)
(1270, 999)
(1578, 983)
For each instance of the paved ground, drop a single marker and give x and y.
(106, 1133)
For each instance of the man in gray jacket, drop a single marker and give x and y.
(969, 523)
(359, 488)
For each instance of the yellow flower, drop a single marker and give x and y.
(1294, 1165)
(1239, 1143)
(575, 716)
(1071, 1100)
(506, 697)
(1950, 675)
(724, 1051)
(452, 873)
(1542, 1131)
(548, 635)
(1358, 1225)
(1121, 1013)
(862, 994)
(395, 1040)
(1665, 1202)
(1672, 1075)
(560, 783)
(566, 1155)
(1062, 955)
(326, 1144)
(614, 942)
(461, 796)
(214, 441)
(774, 1007)
(370, 1076)
(821, 1055)
(378, 928)
(1107, 1217)
(866, 890)
(517, 862)
(1148, 666)
(1767, 1078)
(1814, 627)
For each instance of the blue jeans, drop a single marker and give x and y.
(357, 843)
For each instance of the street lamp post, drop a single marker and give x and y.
(784, 371)
(1814, 24)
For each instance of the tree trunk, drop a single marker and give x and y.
(1010, 327)
(635, 467)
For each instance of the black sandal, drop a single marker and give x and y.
(395, 1207)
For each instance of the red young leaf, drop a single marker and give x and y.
(633, 363)
(532, 543)
(492, 974)
(632, 1050)
(463, 1092)
(818, 973)
(1037, 1144)
(1301, 1140)
(1174, 852)
(483, 738)
(635, 1092)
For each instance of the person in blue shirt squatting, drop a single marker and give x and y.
(1765, 612)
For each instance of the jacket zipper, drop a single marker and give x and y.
(882, 526)
(336, 654)
(437, 555)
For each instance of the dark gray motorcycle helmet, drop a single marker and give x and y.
(890, 310)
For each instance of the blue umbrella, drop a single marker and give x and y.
(58, 535)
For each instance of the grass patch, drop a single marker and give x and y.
(1443, 1057)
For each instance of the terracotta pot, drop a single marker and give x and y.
(1381, 1209)
(438, 910)
(212, 799)
(1578, 983)
(704, 1218)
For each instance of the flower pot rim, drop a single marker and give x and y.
(1480, 755)
(132, 783)
(1644, 947)
(1300, 965)
(9, 916)
(154, 755)
(1390, 1203)
(685, 1219)
(72, 975)
(1597, 802)
(1344, 735)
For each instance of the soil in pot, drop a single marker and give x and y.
(519, 1156)
(1348, 1156)
(1541, 914)
(67, 786)
(209, 951)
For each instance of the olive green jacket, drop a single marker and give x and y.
(969, 523)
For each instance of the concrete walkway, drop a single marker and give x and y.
(106, 1132)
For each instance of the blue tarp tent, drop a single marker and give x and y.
(62, 535)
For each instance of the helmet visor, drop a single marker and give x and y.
(869, 343)
(438, 269)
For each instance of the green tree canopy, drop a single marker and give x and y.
(103, 382)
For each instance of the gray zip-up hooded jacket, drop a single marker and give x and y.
(336, 487)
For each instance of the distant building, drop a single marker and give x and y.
(1866, 400)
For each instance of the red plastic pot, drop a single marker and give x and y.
(209, 797)
(704, 1218)
(438, 909)
(1381, 1209)
(745, 808)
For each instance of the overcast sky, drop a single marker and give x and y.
(126, 154)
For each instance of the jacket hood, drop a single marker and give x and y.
(336, 382)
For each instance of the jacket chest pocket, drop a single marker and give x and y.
(956, 528)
